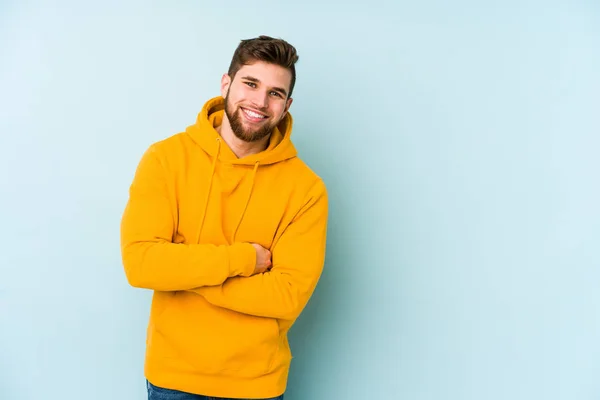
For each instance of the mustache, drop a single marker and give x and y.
(263, 110)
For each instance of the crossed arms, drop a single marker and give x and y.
(223, 274)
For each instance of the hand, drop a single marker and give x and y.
(263, 259)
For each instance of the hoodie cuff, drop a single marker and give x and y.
(242, 259)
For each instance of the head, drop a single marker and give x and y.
(258, 86)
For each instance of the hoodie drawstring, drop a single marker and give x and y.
(247, 200)
(210, 181)
(212, 173)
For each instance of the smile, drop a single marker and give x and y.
(253, 115)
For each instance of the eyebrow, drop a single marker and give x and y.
(277, 89)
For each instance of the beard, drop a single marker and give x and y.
(237, 126)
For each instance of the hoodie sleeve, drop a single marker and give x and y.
(148, 224)
(298, 259)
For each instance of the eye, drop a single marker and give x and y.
(251, 84)
(274, 93)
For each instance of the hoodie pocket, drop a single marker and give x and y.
(215, 340)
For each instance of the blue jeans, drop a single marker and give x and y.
(158, 393)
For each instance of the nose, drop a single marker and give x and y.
(260, 99)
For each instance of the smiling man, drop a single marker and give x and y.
(227, 226)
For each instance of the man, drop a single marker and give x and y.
(228, 227)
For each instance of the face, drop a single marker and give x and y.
(256, 100)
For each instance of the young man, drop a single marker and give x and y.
(228, 227)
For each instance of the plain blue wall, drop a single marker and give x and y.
(460, 142)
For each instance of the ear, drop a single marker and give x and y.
(225, 83)
(288, 104)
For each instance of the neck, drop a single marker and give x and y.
(239, 147)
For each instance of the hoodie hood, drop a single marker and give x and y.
(204, 134)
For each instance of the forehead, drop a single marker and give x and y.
(268, 74)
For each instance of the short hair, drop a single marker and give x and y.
(266, 49)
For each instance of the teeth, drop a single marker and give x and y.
(253, 114)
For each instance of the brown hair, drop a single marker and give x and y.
(266, 49)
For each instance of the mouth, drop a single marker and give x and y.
(253, 116)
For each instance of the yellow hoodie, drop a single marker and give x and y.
(193, 210)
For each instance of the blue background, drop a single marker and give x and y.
(460, 144)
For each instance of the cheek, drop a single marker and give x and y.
(236, 94)
(278, 109)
